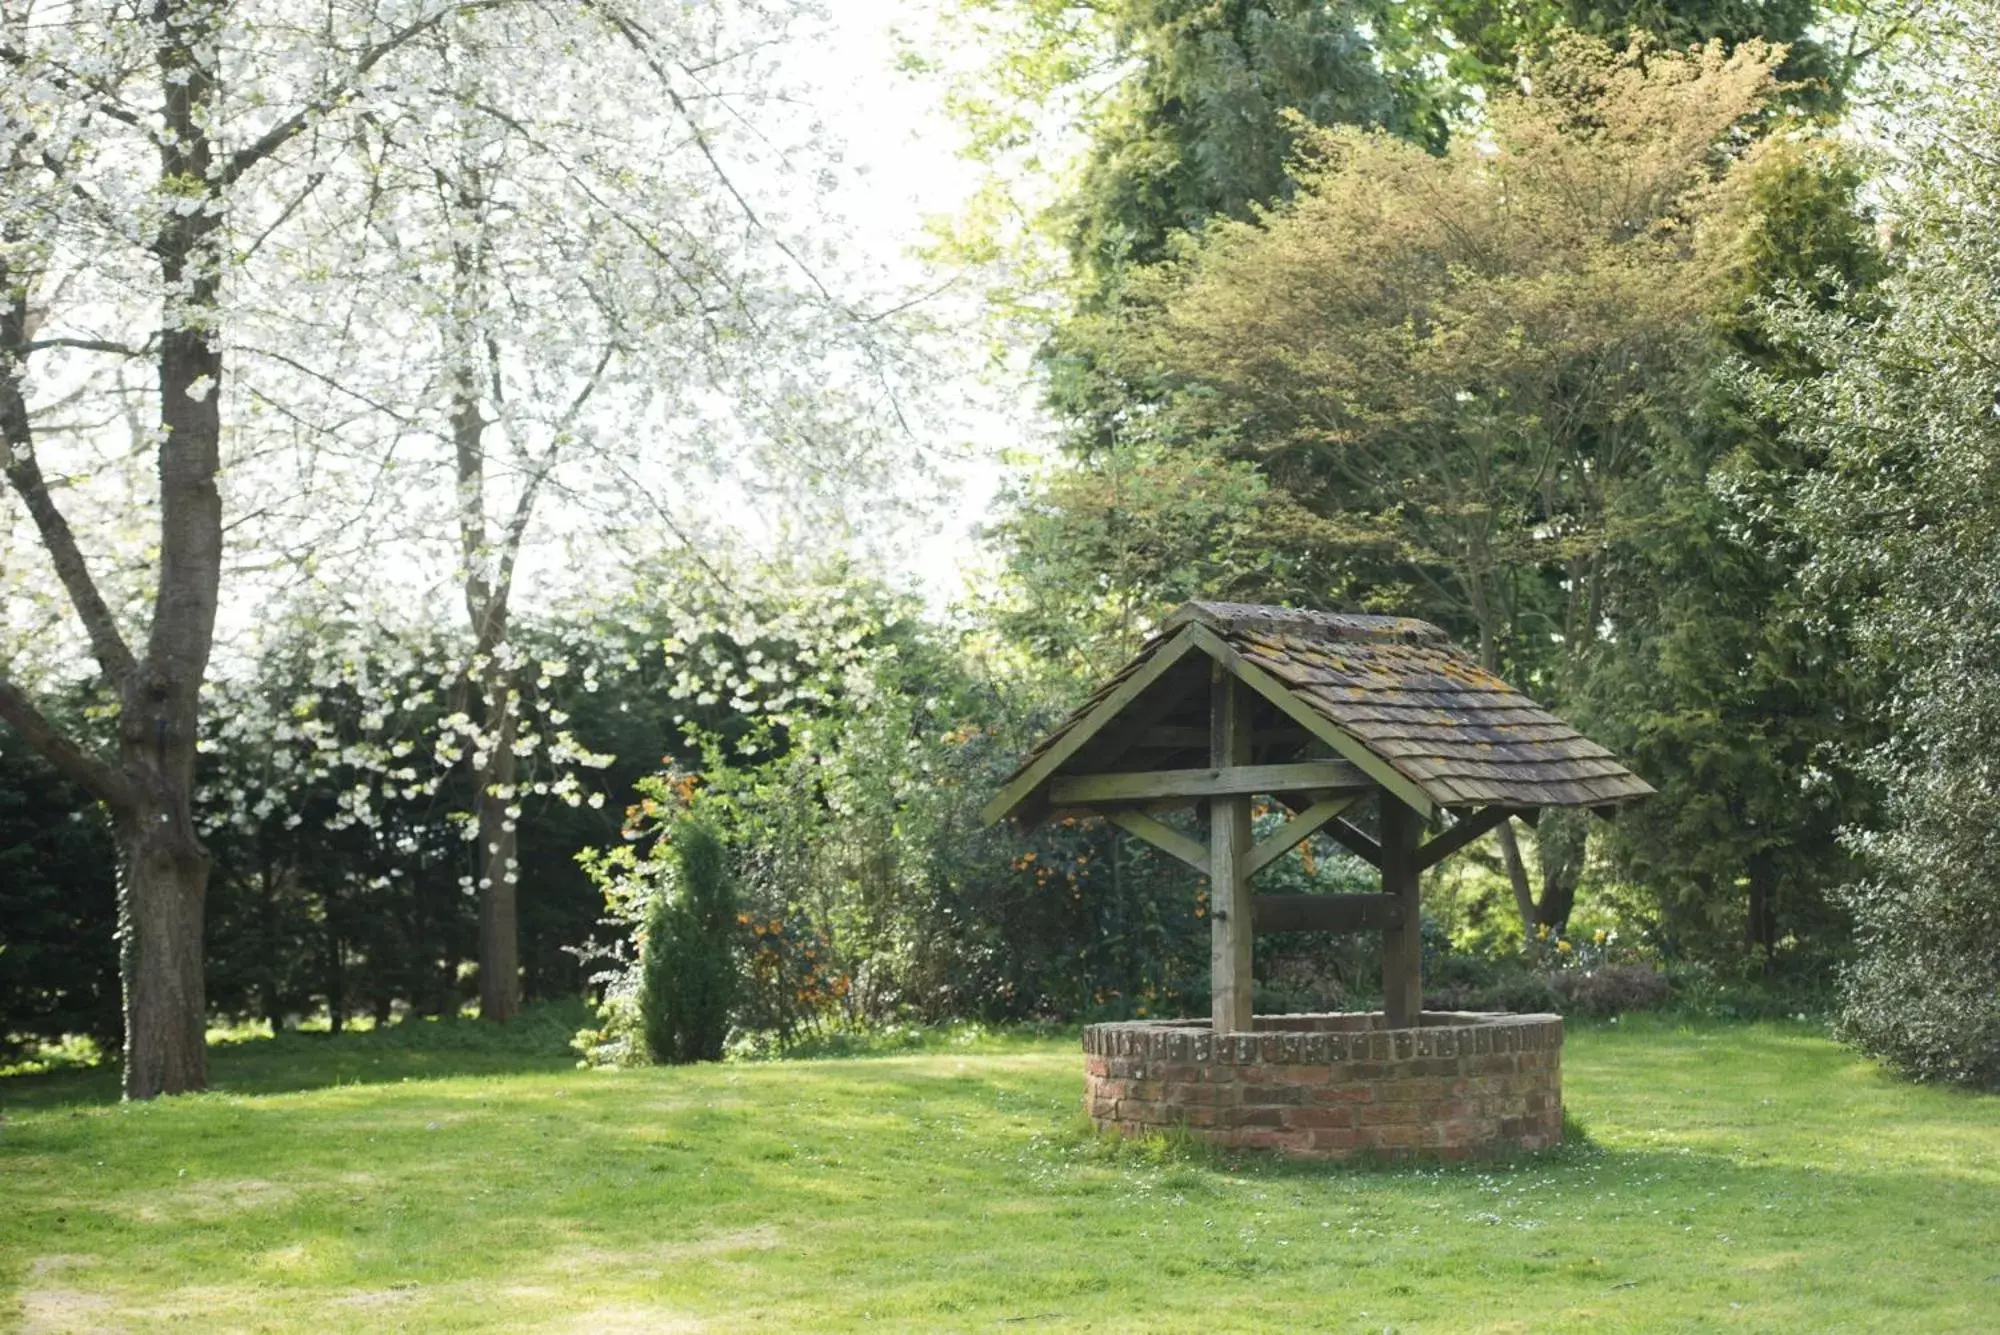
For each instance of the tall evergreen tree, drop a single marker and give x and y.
(1205, 123)
(1493, 35)
(1739, 697)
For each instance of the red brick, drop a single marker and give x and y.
(1405, 1137)
(1319, 1118)
(1386, 1114)
(1265, 1091)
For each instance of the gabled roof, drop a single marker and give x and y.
(1390, 694)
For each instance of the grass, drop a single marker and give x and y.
(447, 1178)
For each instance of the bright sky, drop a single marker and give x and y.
(898, 134)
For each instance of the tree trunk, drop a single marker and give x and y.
(164, 884)
(1517, 877)
(1562, 842)
(1761, 919)
(166, 868)
(499, 847)
(336, 971)
(1510, 844)
(273, 1004)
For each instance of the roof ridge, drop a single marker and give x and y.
(1353, 627)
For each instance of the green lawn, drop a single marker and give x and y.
(1754, 1178)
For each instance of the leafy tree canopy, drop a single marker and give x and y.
(1904, 525)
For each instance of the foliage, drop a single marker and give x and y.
(1611, 989)
(1094, 555)
(1733, 688)
(1463, 982)
(1446, 378)
(687, 965)
(1730, 1163)
(1207, 115)
(58, 910)
(1905, 522)
(1458, 356)
(1596, 975)
(340, 815)
(848, 786)
(1180, 106)
(1494, 35)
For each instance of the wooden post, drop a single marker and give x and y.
(1229, 850)
(1402, 945)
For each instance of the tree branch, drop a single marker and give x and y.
(24, 473)
(288, 129)
(18, 712)
(524, 505)
(88, 345)
(108, 102)
(642, 43)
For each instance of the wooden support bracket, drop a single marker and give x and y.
(1468, 828)
(1161, 836)
(1297, 830)
(1355, 841)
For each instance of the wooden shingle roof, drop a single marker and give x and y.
(1419, 715)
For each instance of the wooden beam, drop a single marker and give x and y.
(1219, 781)
(1024, 784)
(1355, 841)
(1176, 735)
(1228, 857)
(1161, 836)
(1297, 830)
(1402, 945)
(1326, 913)
(1467, 829)
(1281, 695)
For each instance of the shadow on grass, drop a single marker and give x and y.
(1182, 1147)
(537, 1041)
(907, 1040)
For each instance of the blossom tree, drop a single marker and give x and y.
(612, 302)
(129, 137)
(325, 256)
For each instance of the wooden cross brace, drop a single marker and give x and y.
(1236, 913)
(1319, 792)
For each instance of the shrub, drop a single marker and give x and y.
(1613, 989)
(1456, 981)
(1923, 993)
(687, 976)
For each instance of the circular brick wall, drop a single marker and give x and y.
(1335, 1086)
